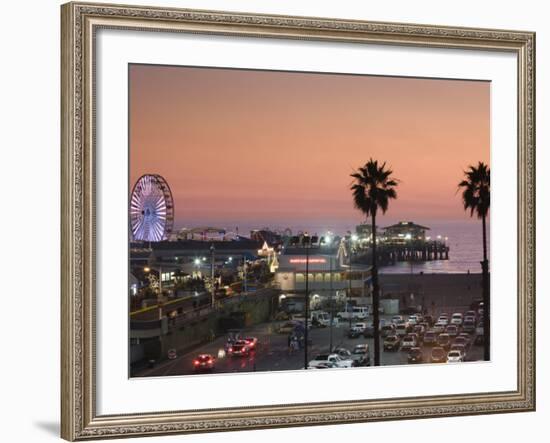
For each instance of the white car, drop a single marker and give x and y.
(439, 327)
(443, 319)
(330, 360)
(413, 319)
(457, 319)
(397, 319)
(455, 356)
(408, 342)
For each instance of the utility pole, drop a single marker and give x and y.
(331, 304)
(349, 283)
(212, 269)
(244, 274)
(307, 239)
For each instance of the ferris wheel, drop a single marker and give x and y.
(151, 209)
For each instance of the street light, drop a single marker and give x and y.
(213, 290)
(326, 241)
(307, 244)
(147, 269)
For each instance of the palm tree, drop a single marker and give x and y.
(476, 190)
(372, 190)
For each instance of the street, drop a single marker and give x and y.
(272, 353)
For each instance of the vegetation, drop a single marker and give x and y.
(476, 193)
(372, 190)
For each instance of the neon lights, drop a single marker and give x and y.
(311, 260)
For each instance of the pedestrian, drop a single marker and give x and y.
(295, 344)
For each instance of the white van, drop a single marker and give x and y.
(358, 312)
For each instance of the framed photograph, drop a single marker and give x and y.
(275, 221)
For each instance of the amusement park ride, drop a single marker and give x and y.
(151, 209)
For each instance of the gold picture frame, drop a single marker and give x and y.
(80, 21)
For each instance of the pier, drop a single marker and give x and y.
(416, 251)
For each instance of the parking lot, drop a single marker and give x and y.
(272, 351)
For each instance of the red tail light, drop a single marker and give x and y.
(196, 362)
(230, 349)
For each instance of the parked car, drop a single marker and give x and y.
(356, 330)
(204, 362)
(402, 329)
(343, 353)
(430, 320)
(479, 329)
(420, 330)
(444, 341)
(443, 319)
(320, 319)
(415, 355)
(459, 347)
(439, 328)
(358, 312)
(452, 330)
(470, 313)
(330, 359)
(172, 354)
(462, 340)
(430, 338)
(397, 319)
(360, 355)
(413, 319)
(392, 343)
(454, 357)
(468, 325)
(408, 342)
(457, 319)
(439, 355)
(387, 330)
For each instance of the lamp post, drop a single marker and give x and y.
(352, 239)
(326, 241)
(307, 242)
(244, 274)
(212, 289)
(331, 304)
(147, 269)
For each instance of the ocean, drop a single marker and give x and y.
(465, 241)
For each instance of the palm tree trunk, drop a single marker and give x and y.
(375, 297)
(486, 297)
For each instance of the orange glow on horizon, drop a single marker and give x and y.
(270, 148)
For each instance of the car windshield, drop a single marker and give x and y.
(438, 352)
(322, 357)
(454, 354)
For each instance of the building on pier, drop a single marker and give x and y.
(405, 231)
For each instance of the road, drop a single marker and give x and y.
(272, 352)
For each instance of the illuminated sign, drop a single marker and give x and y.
(311, 260)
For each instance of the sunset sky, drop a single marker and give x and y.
(265, 148)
